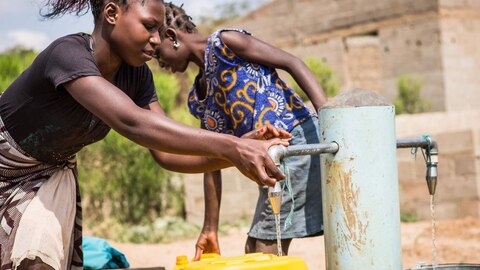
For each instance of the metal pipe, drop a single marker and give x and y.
(431, 147)
(416, 142)
(278, 152)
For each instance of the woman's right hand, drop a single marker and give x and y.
(251, 158)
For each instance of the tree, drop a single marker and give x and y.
(227, 11)
(12, 63)
(120, 179)
(408, 99)
(325, 76)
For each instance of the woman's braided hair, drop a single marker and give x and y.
(175, 17)
(57, 8)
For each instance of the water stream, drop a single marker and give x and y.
(279, 236)
(434, 245)
(275, 198)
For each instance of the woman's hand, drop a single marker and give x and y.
(267, 132)
(252, 159)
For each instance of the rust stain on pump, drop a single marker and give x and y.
(351, 230)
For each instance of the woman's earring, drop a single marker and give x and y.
(176, 44)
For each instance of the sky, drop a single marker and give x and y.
(21, 24)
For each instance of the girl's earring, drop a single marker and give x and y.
(176, 44)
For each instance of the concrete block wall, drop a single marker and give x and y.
(434, 40)
(458, 188)
(415, 50)
(461, 61)
(364, 63)
(291, 21)
(239, 197)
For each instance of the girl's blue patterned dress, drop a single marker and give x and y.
(243, 96)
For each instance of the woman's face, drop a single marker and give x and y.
(174, 59)
(135, 35)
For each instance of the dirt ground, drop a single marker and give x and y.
(457, 241)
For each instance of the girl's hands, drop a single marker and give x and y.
(267, 132)
(207, 243)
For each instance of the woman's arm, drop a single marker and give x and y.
(254, 50)
(199, 164)
(185, 163)
(156, 131)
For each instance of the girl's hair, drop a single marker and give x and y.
(175, 17)
(57, 8)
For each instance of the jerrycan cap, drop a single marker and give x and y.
(182, 260)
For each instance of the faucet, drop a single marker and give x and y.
(431, 175)
(431, 158)
(278, 152)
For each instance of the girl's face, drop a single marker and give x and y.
(170, 57)
(135, 35)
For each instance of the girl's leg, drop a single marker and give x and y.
(266, 246)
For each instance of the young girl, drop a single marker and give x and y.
(237, 90)
(74, 92)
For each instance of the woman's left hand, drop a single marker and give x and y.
(267, 132)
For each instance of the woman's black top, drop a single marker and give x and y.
(44, 119)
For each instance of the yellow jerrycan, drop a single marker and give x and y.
(211, 261)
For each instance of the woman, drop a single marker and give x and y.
(73, 93)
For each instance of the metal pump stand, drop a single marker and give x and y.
(360, 180)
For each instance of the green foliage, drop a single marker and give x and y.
(12, 64)
(225, 12)
(408, 99)
(325, 76)
(164, 229)
(120, 179)
(167, 88)
(408, 217)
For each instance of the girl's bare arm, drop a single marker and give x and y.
(257, 51)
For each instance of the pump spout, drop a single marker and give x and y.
(278, 152)
(431, 175)
(431, 149)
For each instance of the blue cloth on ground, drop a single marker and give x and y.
(98, 254)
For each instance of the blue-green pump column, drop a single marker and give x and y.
(360, 183)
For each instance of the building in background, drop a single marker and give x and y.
(371, 43)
